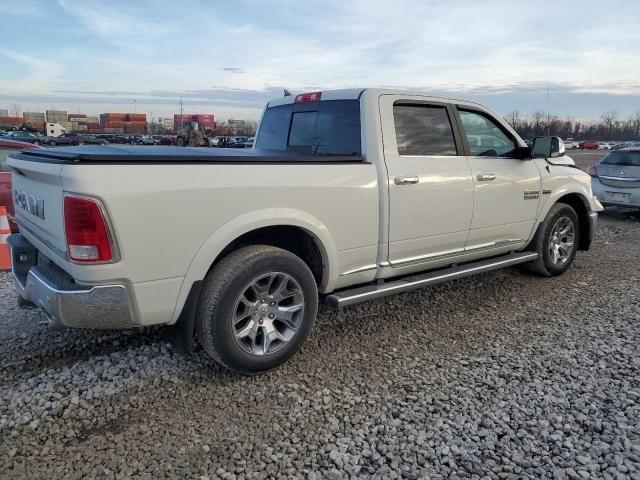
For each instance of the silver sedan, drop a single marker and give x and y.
(616, 179)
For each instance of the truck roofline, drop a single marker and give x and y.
(356, 93)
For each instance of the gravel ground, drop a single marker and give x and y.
(500, 376)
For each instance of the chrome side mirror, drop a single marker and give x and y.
(547, 147)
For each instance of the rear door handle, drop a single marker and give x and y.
(485, 177)
(406, 180)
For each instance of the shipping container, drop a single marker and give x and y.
(11, 120)
(33, 117)
(93, 119)
(113, 130)
(114, 124)
(137, 117)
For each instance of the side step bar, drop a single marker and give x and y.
(345, 298)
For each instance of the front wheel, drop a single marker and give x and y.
(36, 143)
(52, 143)
(556, 241)
(257, 307)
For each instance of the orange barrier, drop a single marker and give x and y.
(5, 231)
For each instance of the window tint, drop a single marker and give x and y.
(629, 159)
(423, 130)
(274, 128)
(485, 137)
(330, 127)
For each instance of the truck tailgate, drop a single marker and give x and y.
(38, 202)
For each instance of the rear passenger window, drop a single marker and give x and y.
(423, 130)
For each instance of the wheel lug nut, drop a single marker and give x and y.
(261, 321)
(273, 304)
(271, 316)
(262, 301)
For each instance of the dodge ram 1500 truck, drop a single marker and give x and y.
(348, 195)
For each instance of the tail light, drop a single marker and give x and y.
(88, 239)
(308, 97)
(592, 171)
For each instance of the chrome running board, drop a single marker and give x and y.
(345, 298)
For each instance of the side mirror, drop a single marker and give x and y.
(547, 147)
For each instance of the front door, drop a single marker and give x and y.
(506, 188)
(430, 184)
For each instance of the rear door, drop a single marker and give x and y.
(430, 185)
(506, 188)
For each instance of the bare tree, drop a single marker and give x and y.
(513, 119)
(635, 124)
(610, 120)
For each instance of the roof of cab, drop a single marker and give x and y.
(355, 93)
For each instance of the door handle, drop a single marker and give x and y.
(484, 177)
(406, 180)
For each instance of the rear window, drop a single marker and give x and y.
(630, 159)
(330, 127)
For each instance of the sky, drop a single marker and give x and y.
(230, 58)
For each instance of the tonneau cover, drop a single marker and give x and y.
(164, 154)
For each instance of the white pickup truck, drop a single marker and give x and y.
(348, 195)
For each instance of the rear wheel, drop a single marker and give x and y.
(36, 143)
(53, 143)
(180, 142)
(257, 307)
(556, 241)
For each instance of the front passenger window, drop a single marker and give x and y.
(485, 137)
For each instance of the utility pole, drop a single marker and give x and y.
(181, 119)
(548, 113)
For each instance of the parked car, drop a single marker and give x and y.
(64, 139)
(146, 140)
(6, 192)
(92, 140)
(615, 180)
(384, 195)
(237, 142)
(27, 137)
(571, 145)
(590, 144)
(606, 146)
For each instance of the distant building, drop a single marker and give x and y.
(166, 122)
(4, 112)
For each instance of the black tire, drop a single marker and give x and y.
(544, 265)
(180, 142)
(36, 143)
(222, 288)
(53, 143)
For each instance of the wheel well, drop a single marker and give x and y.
(578, 204)
(293, 239)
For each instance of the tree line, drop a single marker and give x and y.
(610, 126)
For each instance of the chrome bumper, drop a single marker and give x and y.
(65, 303)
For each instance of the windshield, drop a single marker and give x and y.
(330, 127)
(630, 159)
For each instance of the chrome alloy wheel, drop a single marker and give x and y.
(268, 313)
(561, 246)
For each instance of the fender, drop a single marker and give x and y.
(238, 226)
(559, 188)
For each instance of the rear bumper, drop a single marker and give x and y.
(603, 192)
(66, 303)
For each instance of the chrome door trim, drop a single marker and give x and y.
(453, 252)
(365, 268)
(444, 253)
